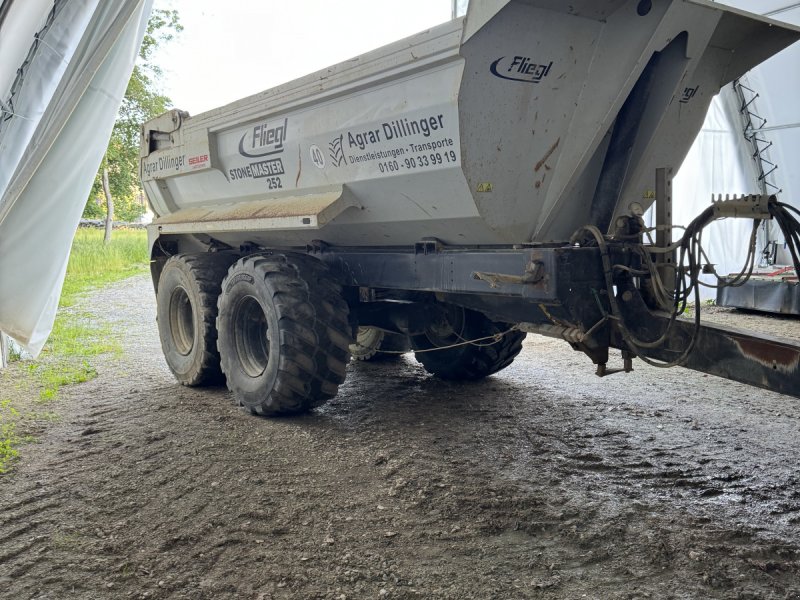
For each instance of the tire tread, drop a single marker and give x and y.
(471, 362)
(206, 271)
(313, 319)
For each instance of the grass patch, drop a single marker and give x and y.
(53, 377)
(8, 434)
(74, 341)
(93, 264)
(74, 335)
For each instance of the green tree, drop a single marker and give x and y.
(116, 190)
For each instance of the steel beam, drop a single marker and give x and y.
(759, 360)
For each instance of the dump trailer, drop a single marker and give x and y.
(456, 190)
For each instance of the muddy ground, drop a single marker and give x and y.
(540, 482)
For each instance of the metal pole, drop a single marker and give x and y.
(778, 11)
(664, 262)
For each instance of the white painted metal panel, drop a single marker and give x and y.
(490, 129)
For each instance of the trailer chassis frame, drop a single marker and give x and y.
(557, 291)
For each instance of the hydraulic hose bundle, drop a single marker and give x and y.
(690, 263)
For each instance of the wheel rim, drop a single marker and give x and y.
(367, 342)
(251, 336)
(181, 321)
(449, 332)
(368, 338)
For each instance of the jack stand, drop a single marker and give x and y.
(627, 365)
(627, 361)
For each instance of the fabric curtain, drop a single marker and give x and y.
(56, 121)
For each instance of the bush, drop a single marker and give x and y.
(126, 208)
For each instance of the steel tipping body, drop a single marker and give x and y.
(520, 123)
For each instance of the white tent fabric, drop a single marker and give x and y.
(777, 81)
(57, 116)
(721, 161)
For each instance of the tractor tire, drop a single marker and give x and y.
(284, 334)
(468, 362)
(373, 345)
(186, 309)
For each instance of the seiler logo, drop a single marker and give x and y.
(263, 140)
(196, 162)
(520, 68)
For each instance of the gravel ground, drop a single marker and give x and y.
(540, 482)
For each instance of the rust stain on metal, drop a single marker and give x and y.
(547, 155)
(771, 355)
(300, 168)
(555, 320)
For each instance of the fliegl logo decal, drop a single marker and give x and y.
(520, 68)
(263, 139)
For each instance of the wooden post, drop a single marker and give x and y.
(109, 207)
(4, 346)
